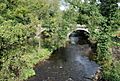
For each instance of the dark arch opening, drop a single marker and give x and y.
(79, 37)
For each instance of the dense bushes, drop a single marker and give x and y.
(18, 51)
(19, 64)
(112, 73)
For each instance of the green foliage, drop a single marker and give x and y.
(57, 28)
(14, 44)
(103, 21)
(20, 19)
(113, 73)
(18, 49)
(21, 61)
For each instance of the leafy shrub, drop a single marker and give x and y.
(113, 73)
(20, 62)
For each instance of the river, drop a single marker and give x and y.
(69, 63)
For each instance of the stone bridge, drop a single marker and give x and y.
(81, 33)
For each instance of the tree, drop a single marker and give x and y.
(109, 10)
(18, 22)
(102, 19)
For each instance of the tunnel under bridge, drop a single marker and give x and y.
(79, 36)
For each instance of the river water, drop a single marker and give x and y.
(69, 63)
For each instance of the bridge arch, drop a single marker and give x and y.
(80, 34)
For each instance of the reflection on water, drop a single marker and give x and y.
(90, 66)
(74, 40)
